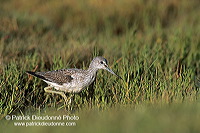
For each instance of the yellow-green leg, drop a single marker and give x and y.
(48, 89)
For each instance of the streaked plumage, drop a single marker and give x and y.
(73, 80)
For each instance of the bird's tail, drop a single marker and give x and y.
(32, 73)
(35, 74)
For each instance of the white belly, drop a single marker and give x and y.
(75, 86)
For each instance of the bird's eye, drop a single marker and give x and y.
(101, 62)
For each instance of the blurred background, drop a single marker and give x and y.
(75, 28)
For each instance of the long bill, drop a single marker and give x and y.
(109, 70)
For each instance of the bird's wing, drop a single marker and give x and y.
(58, 76)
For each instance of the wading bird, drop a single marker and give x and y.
(72, 80)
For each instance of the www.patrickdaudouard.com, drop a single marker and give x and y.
(46, 120)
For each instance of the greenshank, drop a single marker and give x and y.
(72, 80)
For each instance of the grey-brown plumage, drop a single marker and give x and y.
(59, 76)
(73, 80)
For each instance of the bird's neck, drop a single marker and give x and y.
(92, 70)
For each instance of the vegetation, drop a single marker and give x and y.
(153, 45)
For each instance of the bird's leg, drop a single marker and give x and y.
(70, 99)
(47, 89)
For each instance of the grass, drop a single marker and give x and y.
(141, 118)
(153, 45)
